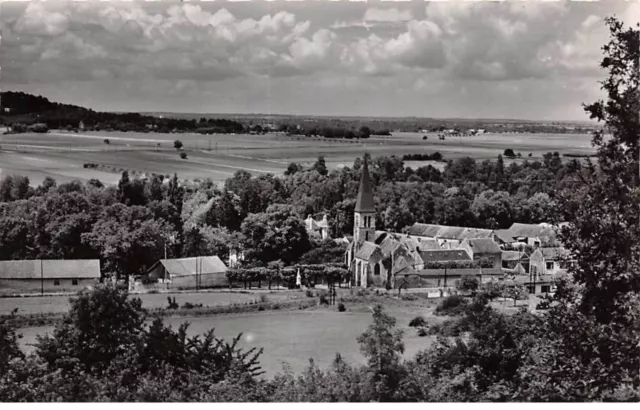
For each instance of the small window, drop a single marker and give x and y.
(56, 282)
(549, 265)
(546, 289)
(74, 282)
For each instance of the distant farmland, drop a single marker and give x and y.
(61, 155)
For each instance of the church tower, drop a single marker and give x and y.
(364, 222)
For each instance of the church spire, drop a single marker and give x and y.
(364, 201)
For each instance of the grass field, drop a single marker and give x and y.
(294, 336)
(60, 304)
(61, 155)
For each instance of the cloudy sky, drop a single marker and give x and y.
(513, 59)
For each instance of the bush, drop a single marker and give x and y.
(424, 137)
(276, 306)
(189, 305)
(408, 297)
(263, 298)
(341, 307)
(422, 332)
(260, 308)
(309, 293)
(106, 141)
(417, 321)
(177, 144)
(183, 155)
(323, 300)
(453, 305)
(509, 153)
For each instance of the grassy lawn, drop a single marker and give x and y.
(293, 337)
(60, 304)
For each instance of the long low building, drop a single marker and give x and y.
(47, 275)
(190, 273)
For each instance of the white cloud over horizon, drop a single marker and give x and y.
(453, 59)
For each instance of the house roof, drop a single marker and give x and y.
(555, 253)
(50, 269)
(366, 250)
(504, 235)
(476, 233)
(364, 200)
(444, 255)
(188, 266)
(388, 245)
(448, 232)
(514, 256)
(428, 245)
(484, 246)
(518, 230)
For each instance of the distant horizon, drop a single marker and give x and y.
(467, 119)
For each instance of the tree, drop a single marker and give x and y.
(364, 132)
(177, 144)
(509, 153)
(606, 225)
(382, 345)
(468, 283)
(275, 234)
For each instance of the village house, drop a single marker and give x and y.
(540, 235)
(190, 273)
(448, 237)
(48, 276)
(483, 249)
(317, 228)
(550, 261)
(515, 262)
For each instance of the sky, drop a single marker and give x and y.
(533, 59)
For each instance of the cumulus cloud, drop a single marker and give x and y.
(193, 45)
(392, 15)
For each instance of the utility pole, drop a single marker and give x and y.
(41, 279)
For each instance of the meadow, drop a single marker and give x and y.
(61, 155)
(293, 337)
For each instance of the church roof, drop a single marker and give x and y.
(364, 201)
(367, 249)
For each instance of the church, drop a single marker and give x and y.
(390, 260)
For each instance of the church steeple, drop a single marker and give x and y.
(364, 201)
(364, 220)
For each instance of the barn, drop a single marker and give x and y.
(48, 276)
(190, 273)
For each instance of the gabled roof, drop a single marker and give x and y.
(388, 245)
(504, 235)
(484, 246)
(189, 266)
(364, 200)
(444, 255)
(514, 256)
(448, 232)
(50, 269)
(518, 230)
(476, 233)
(367, 249)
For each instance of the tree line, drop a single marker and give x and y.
(264, 214)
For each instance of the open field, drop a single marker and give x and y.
(61, 155)
(294, 336)
(60, 304)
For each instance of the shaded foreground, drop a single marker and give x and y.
(481, 355)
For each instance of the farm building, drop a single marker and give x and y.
(533, 235)
(48, 276)
(190, 273)
(448, 237)
(483, 249)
